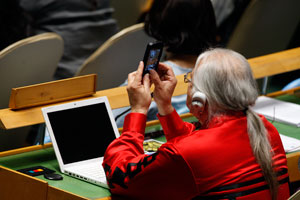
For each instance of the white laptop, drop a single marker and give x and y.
(80, 132)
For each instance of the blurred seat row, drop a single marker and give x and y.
(34, 60)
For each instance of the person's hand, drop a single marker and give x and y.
(165, 83)
(138, 90)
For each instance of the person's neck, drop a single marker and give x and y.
(221, 117)
(185, 61)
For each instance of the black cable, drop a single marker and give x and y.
(122, 113)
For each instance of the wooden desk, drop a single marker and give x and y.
(19, 186)
(68, 188)
(71, 188)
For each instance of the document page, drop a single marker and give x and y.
(277, 110)
(290, 144)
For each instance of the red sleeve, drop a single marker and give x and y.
(174, 126)
(132, 174)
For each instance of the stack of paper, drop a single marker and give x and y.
(290, 144)
(277, 110)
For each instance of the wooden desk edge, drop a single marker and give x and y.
(292, 91)
(24, 149)
(105, 198)
(275, 63)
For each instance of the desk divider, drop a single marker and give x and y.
(52, 92)
(13, 184)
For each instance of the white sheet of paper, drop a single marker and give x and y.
(290, 144)
(277, 110)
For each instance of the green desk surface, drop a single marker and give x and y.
(46, 158)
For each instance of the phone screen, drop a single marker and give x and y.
(152, 56)
(153, 59)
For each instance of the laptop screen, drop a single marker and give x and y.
(82, 133)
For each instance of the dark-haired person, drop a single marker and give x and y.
(236, 154)
(187, 28)
(83, 24)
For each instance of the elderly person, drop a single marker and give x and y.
(236, 154)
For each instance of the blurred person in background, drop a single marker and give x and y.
(83, 24)
(227, 14)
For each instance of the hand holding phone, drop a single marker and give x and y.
(152, 56)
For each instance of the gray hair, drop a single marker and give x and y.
(225, 77)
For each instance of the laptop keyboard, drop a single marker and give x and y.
(94, 170)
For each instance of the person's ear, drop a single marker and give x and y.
(198, 102)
